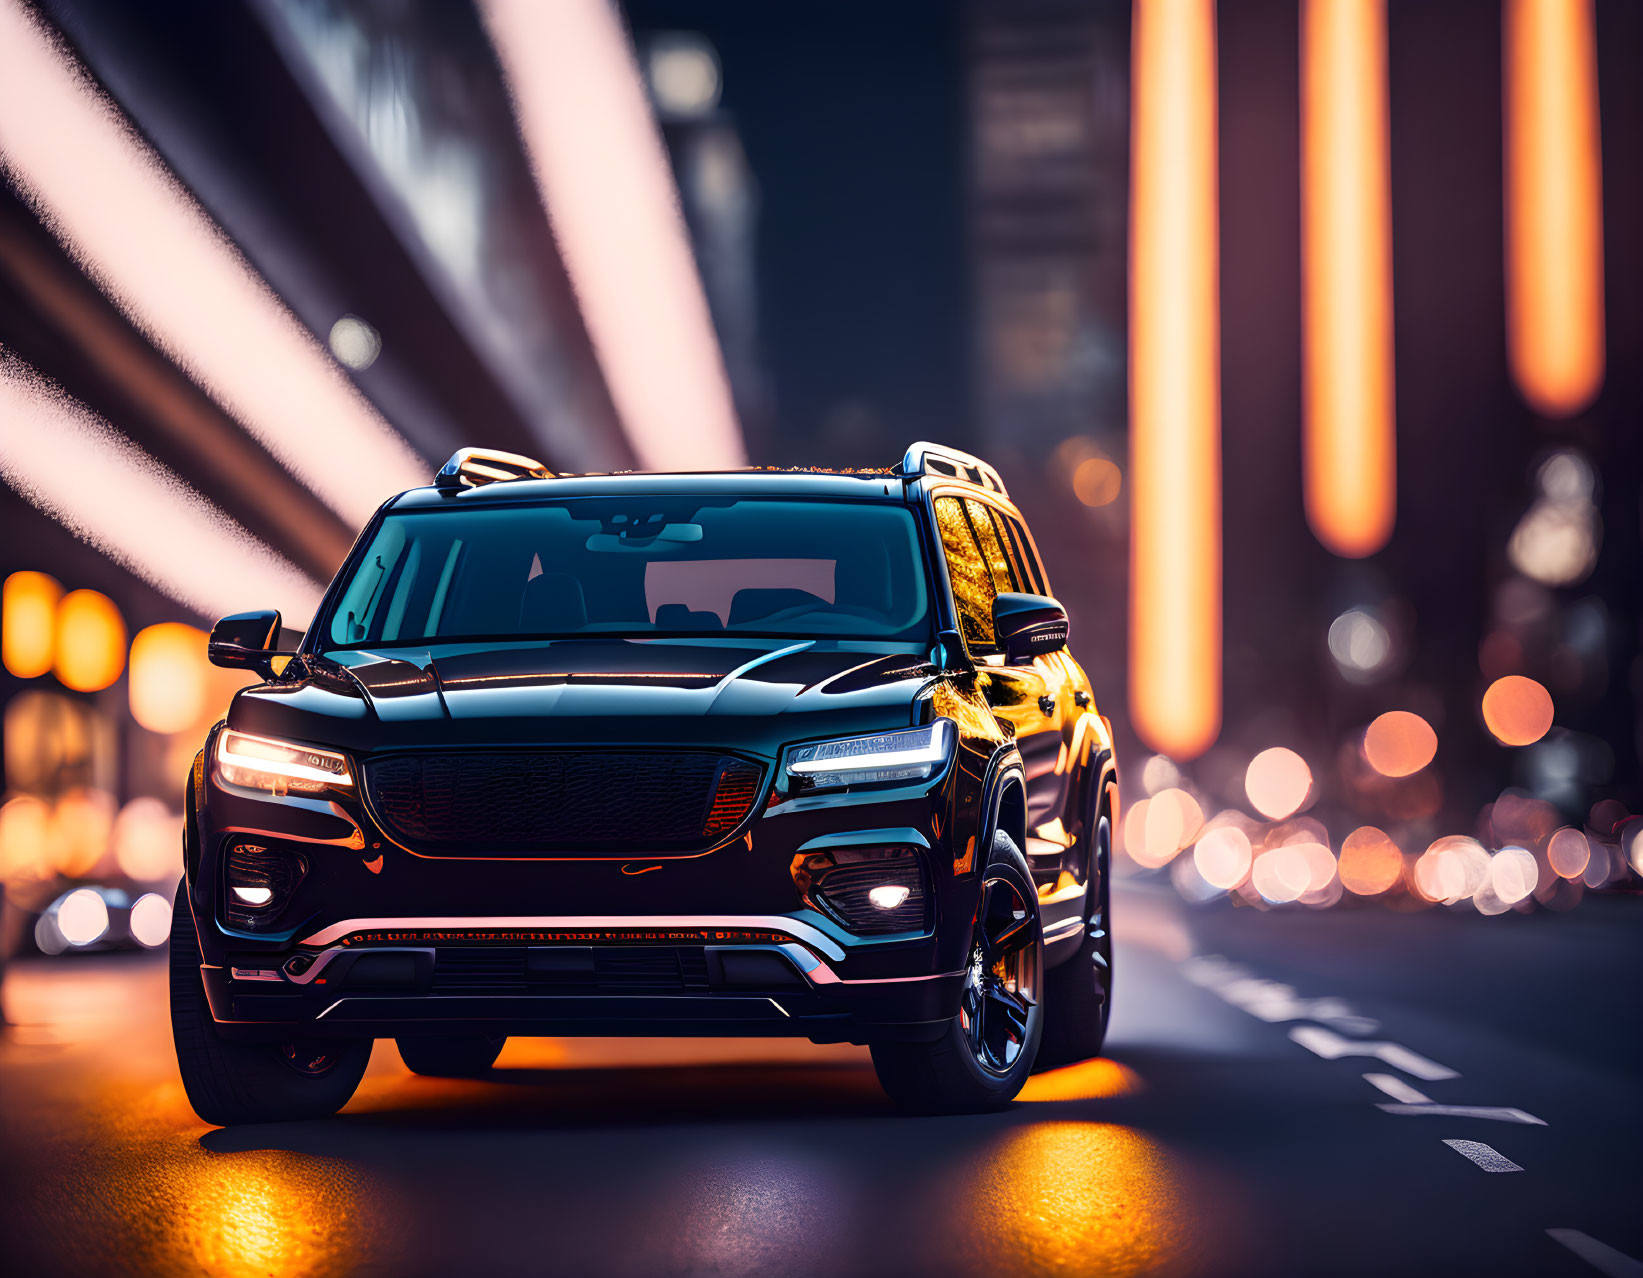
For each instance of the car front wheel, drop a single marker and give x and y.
(987, 1050)
(230, 1083)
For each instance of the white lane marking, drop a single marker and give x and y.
(1271, 1001)
(1486, 1157)
(1499, 1113)
(1600, 1256)
(1331, 1046)
(1397, 1089)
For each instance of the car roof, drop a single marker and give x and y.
(877, 485)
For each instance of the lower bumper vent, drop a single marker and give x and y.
(872, 891)
(647, 969)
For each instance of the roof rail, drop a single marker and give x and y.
(937, 459)
(471, 467)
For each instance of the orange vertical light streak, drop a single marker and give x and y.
(1348, 403)
(1175, 393)
(1554, 205)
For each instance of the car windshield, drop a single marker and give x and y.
(636, 566)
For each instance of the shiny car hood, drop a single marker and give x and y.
(749, 693)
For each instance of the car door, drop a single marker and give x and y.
(1026, 697)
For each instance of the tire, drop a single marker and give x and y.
(1078, 992)
(456, 1056)
(230, 1083)
(987, 1050)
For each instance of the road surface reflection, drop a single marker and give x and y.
(581, 1156)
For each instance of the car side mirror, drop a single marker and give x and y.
(246, 641)
(948, 655)
(1028, 626)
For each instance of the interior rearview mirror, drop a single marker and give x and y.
(1028, 626)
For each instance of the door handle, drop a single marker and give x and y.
(1046, 703)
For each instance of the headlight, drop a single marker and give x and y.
(911, 755)
(261, 763)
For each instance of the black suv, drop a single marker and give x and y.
(753, 753)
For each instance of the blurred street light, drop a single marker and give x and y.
(120, 211)
(28, 623)
(1350, 447)
(1554, 204)
(70, 464)
(168, 673)
(606, 183)
(1175, 431)
(91, 641)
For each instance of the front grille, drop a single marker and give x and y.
(612, 969)
(522, 803)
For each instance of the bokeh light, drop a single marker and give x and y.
(168, 676)
(1321, 882)
(1223, 857)
(151, 919)
(25, 839)
(1370, 862)
(1451, 869)
(91, 641)
(1568, 853)
(1517, 710)
(1399, 743)
(1097, 481)
(1513, 874)
(1281, 874)
(1156, 828)
(148, 840)
(82, 822)
(1277, 782)
(28, 623)
(1360, 645)
(82, 917)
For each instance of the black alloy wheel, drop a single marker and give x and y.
(980, 1058)
(1001, 984)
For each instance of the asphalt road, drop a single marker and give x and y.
(1231, 1129)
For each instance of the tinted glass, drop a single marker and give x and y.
(991, 541)
(1025, 557)
(969, 574)
(637, 565)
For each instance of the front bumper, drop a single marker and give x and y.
(678, 979)
(380, 942)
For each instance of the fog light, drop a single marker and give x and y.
(260, 881)
(871, 890)
(889, 895)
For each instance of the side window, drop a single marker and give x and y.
(970, 575)
(1026, 555)
(984, 520)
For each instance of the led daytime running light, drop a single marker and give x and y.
(264, 763)
(926, 751)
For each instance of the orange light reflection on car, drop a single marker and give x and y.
(1175, 432)
(1554, 204)
(1350, 473)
